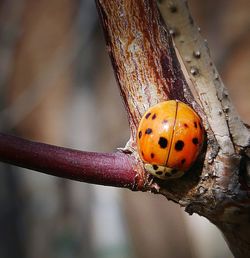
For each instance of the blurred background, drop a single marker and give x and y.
(57, 86)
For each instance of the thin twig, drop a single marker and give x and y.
(111, 169)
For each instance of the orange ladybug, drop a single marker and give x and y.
(169, 139)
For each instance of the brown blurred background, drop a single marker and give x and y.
(57, 86)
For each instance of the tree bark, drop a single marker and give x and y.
(148, 71)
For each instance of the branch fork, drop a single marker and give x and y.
(155, 61)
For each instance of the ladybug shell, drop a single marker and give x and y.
(169, 138)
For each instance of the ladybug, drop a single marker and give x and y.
(169, 138)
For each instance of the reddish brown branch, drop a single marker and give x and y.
(111, 169)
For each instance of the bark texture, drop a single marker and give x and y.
(148, 71)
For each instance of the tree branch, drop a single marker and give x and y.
(111, 169)
(145, 64)
(213, 95)
(148, 71)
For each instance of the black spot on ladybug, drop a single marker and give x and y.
(183, 161)
(200, 125)
(159, 173)
(155, 167)
(195, 141)
(195, 124)
(148, 131)
(154, 117)
(185, 125)
(148, 115)
(165, 121)
(140, 134)
(163, 142)
(179, 145)
(152, 155)
(174, 171)
(142, 153)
